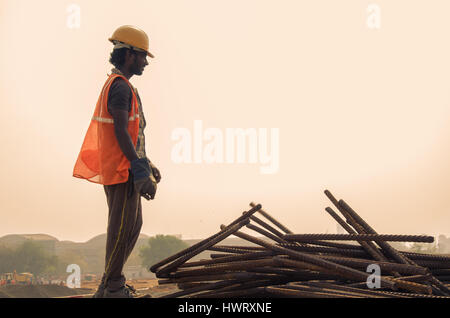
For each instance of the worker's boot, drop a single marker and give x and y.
(124, 292)
(100, 291)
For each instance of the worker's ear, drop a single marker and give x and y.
(130, 56)
(133, 56)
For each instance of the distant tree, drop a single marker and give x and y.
(425, 248)
(159, 248)
(444, 244)
(72, 257)
(6, 259)
(399, 246)
(29, 257)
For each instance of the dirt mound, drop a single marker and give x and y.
(39, 291)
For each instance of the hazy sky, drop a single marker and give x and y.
(361, 111)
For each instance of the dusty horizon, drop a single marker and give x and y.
(359, 110)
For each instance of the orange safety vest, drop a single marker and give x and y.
(101, 159)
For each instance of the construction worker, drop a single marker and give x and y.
(113, 154)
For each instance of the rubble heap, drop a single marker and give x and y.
(284, 264)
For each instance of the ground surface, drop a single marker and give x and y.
(143, 286)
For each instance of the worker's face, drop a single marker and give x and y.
(139, 62)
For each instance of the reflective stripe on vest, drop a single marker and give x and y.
(111, 121)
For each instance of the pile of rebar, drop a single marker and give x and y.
(284, 264)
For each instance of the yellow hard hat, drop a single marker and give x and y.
(133, 36)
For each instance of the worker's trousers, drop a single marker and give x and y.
(124, 226)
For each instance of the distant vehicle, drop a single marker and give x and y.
(24, 278)
(14, 278)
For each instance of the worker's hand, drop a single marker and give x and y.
(146, 187)
(156, 172)
(144, 181)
